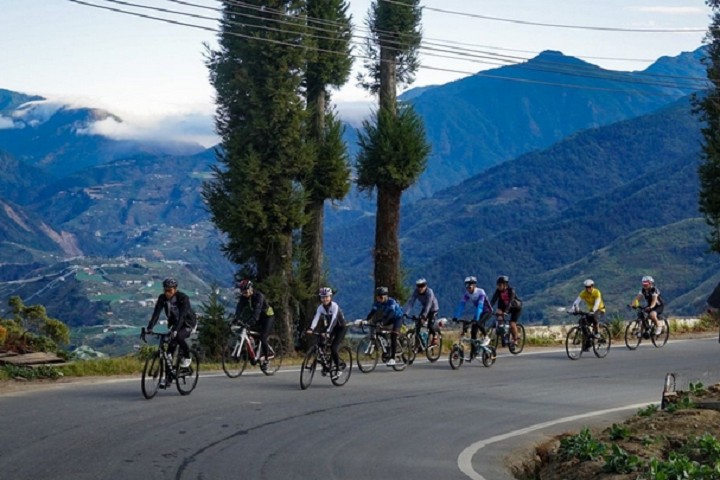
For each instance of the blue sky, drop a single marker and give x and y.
(153, 76)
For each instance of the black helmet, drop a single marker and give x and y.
(502, 279)
(244, 285)
(170, 283)
(381, 291)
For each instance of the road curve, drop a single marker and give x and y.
(424, 423)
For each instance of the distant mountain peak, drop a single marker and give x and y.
(556, 56)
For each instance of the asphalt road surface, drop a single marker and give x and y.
(428, 422)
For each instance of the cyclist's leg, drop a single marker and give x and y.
(481, 322)
(474, 327)
(396, 323)
(654, 313)
(265, 329)
(432, 328)
(338, 335)
(514, 316)
(181, 338)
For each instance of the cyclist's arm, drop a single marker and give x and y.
(185, 312)
(636, 300)
(159, 304)
(482, 300)
(576, 303)
(336, 317)
(598, 301)
(259, 303)
(431, 300)
(373, 310)
(316, 318)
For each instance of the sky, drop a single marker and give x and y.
(152, 74)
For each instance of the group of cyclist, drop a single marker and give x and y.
(330, 323)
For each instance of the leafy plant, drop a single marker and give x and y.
(621, 462)
(678, 466)
(709, 447)
(581, 446)
(697, 388)
(682, 403)
(648, 411)
(619, 432)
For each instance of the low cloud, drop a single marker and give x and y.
(6, 122)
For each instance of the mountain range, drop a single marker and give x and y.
(563, 172)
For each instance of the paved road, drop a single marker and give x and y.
(424, 423)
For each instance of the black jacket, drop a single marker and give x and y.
(259, 308)
(183, 316)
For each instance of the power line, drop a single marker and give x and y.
(555, 25)
(428, 67)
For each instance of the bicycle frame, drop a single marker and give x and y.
(244, 339)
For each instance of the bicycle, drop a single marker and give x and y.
(377, 344)
(644, 328)
(161, 369)
(243, 345)
(500, 335)
(319, 354)
(581, 338)
(457, 351)
(419, 341)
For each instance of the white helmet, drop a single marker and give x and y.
(588, 283)
(647, 280)
(420, 282)
(470, 280)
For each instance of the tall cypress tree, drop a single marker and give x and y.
(708, 106)
(329, 66)
(393, 147)
(254, 197)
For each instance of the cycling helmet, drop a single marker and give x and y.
(647, 280)
(502, 279)
(381, 291)
(470, 281)
(170, 283)
(244, 285)
(588, 283)
(420, 282)
(325, 292)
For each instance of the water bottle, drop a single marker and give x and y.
(424, 337)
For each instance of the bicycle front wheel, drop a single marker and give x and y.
(402, 355)
(432, 352)
(601, 346)
(457, 357)
(368, 353)
(275, 353)
(519, 345)
(660, 340)
(488, 356)
(307, 370)
(234, 359)
(152, 375)
(340, 376)
(413, 343)
(574, 343)
(633, 334)
(187, 378)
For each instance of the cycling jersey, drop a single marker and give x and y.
(593, 300)
(649, 294)
(427, 300)
(330, 316)
(478, 299)
(258, 306)
(389, 310)
(504, 299)
(177, 309)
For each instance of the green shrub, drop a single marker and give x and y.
(581, 446)
(621, 462)
(648, 411)
(619, 432)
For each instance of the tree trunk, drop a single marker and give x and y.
(388, 80)
(387, 248)
(279, 271)
(312, 251)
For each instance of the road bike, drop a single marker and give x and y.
(581, 338)
(320, 354)
(500, 335)
(475, 349)
(644, 328)
(243, 345)
(376, 344)
(162, 368)
(419, 340)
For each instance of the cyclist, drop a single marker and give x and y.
(330, 319)
(594, 302)
(428, 302)
(180, 317)
(654, 303)
(262, 316)
(482, 309)
(507, 302)
(386, 311)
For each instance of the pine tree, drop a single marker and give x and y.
(329, 179)
(254, 197)
(708, 106)
(393, 147)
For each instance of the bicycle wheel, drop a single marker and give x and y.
(488, 357)
(457, 357)
(633, 334)
(275, 354)
(187, 378)
(152, 375)
(340, 377)
(234, 360)
(660, 340)
(307, 370)
(574, 343)
(519, 345)
(402, 355)
(368, 353)
(601, 346)
(495, 337)
(413, 345)
(432, 352)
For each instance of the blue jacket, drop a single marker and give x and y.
(389, 310)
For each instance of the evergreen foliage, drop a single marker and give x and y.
(708, 105)
(213, 326)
